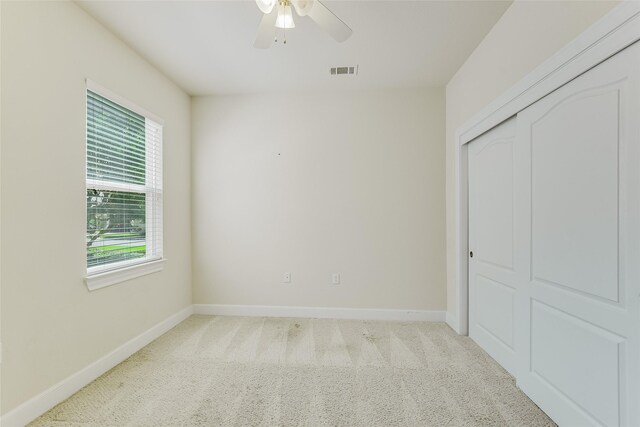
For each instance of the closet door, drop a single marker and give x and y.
(492, 260)
(577, 314)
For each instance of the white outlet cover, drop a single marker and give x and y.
(286, 277)
(335, 279)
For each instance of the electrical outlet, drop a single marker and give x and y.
(286, 277)
(335, 279)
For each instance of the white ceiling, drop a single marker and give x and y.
(207, 46)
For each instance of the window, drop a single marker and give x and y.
(124, 188)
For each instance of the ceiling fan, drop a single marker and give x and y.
(278, 14)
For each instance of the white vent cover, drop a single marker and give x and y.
(344, 71)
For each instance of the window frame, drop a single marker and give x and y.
(116, 272)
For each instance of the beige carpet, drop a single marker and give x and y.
(239, 371)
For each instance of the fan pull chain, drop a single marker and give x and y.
(284, 36)
(282, 4)
(284, 30)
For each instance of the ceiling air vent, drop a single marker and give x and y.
(344, 71)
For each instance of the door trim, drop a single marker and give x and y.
(609, 35)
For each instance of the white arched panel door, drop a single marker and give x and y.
(492, 260)
(578, 319)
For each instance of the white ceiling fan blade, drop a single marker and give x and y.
(328, 21)
(266, 30)
(302, 6)
(266, 6)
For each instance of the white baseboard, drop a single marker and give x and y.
(38, 405)
(319, 312)
(452, 321)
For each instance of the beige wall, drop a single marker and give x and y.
(51, 325)
(528, 33)
(314, 184)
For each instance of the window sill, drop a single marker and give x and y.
(108, 278)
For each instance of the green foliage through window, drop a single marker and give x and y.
(115, 226)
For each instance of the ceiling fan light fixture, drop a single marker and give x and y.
(280, 15)
(266, 6)
(285, 17)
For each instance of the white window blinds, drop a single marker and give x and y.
(124, 186)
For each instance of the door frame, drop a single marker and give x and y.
(613, 32)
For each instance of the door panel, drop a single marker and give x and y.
(571, 355)
(493, 294)
(492, 282)
(577, 317)
(493, 214)
(574, 181)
